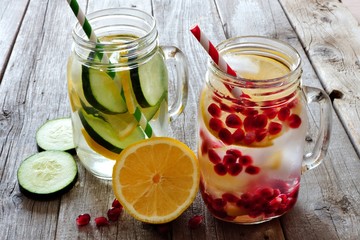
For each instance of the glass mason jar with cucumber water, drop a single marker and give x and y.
(123, 99)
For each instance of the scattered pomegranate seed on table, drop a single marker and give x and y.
(101, 221)
(83, 219)
(116, 204)
(195, 221)
(114, 214)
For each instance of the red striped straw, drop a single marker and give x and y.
(216, 57)
(211, 50)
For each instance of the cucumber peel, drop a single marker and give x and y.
(149, 81)
(56, 134)
(47, 175)
(101, 91)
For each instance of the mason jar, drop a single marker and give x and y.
(252, 131)
(118, 86)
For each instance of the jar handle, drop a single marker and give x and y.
(182, 79)
(315, 157)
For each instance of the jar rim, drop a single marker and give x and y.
(261, 42)
(80, 37)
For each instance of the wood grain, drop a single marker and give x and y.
(11, 17)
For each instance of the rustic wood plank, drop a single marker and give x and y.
(34, 75)
(334, 52)
(11, 16)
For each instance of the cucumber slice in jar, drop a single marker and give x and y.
(105, 135)
(47, 175)
(149, 81)
(56, 134)
(102, 92)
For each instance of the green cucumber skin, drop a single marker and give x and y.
(48, 196)
(87, 91)
(96, 137)
(135, 80)
(72, 151)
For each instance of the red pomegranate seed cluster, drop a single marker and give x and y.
(232, 163)
(267, 201)
(113, 215)
(246, 124)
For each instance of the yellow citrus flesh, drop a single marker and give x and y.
(156, 179)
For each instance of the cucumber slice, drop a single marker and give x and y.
(106, 136)
(56, 134)
(47, 175)
(149, 81)
(102, 92)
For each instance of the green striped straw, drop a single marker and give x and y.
(130, 103)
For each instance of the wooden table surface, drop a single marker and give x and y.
(35, 41)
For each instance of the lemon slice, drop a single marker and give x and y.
(156, 179)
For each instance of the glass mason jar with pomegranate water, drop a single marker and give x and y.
(118, 86)
(252, 131)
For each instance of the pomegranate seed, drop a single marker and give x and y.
(294, 121)
(226, 108)
(260, 134)
(271, 113)
(238, 135)
(234, 152)
(245, 201)
(220, 214)
(206, 197)
(229, 159)
(274, 128)
(249, 138)
(267, 193)
(250, 112)
(248, 123)
(204, 147)
(245, 160)
(216, 99)
(260, 121)
(116, 204)
(226, 136)
(213, 156)
(220, 169)
(195, 221)
(284, 113)
(201, 185)
(83, 219)
(214, 110)
(293, 103)
(294, 193)
(218, 204)
(252, 170)
(114, 214)
(229, 197)
(215, 124)
(233, 121)
(244, 95)
(234, 169)
(101, 221)
(276, 192)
